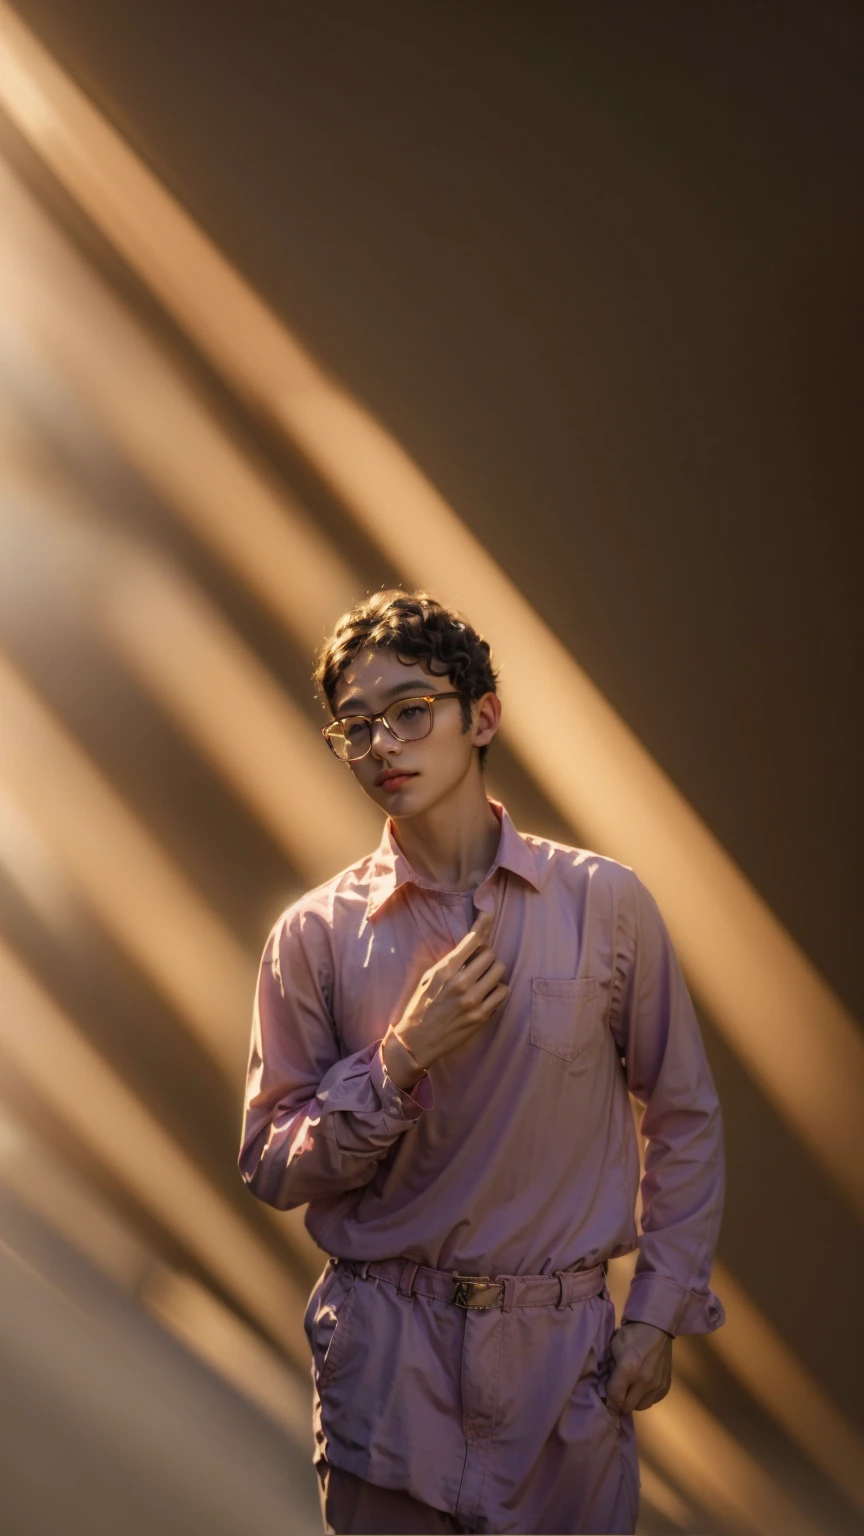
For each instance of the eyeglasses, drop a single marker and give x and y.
(407, 720)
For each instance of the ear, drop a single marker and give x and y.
(487, 718)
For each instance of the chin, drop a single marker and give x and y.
(417, 798)
(404, 802)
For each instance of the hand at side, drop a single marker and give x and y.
(642, 1372)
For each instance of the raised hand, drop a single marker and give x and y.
(453, 999)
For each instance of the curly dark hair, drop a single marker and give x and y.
(417, 628)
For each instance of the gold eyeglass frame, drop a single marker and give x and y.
(414, 698)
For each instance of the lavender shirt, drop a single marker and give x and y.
(518, 1154)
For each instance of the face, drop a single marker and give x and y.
(408, 777)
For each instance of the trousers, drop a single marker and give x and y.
(453, 1403)
(348, 1504)
(352, 1507)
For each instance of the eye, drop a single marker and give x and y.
(409, 712)
(352, 730)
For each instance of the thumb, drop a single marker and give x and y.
(619, 1376)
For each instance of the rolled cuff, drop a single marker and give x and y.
(659, 1300)
(405, 1105)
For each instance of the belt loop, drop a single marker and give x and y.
(565, 1288)
(363, 1268)
(509, 1284)
(406, 1283)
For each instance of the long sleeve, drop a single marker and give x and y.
(683, 1184)
(316, 1124)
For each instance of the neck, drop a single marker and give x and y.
(454, 843)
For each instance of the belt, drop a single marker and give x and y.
(482, 1292)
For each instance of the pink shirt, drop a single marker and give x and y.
(518, 1154)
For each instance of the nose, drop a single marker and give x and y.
(383, 742)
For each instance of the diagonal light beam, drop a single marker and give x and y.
(134, 889)
(44, 1046)
(206, 1325)
(753, 1350)
(704, 1460)
(137, 893)
(199, 670)
(226, 498)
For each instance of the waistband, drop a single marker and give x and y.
(481, 1292)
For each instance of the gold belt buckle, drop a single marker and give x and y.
(472, 1292)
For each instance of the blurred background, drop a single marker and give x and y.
(556, 310)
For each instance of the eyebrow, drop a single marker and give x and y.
(356, 705)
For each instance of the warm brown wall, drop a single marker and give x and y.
(598, 268)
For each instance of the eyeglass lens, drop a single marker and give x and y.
(407, 719)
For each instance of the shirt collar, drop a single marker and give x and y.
(391, 868)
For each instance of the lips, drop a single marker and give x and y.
(393, 780)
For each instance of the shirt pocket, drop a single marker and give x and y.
(564, 1015)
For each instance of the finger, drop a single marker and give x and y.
(475, 936)
(637, 1392)
(473, 977)
(617, 1388)
(493, 1001)
(485, 983)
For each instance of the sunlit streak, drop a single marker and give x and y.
(130, 883)
(28, 864)
(197, 667)
(657, 1491)
(752, 1349)
(703, 1459)
(83, 1216)
(139, 895)
(207, 1327)
(112, 1123)
(225, 497)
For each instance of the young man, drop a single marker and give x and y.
(444, 1038)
